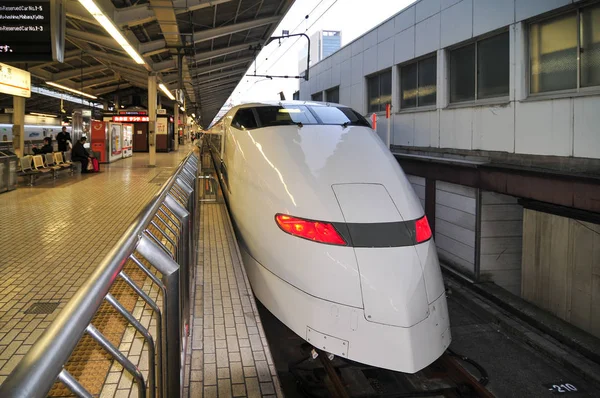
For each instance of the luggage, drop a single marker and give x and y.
(95, 165)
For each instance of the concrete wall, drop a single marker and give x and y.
(501, 241)
(561, 267)
(561, 126)
(455, 225)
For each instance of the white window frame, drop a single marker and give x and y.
(571, 92)
(418, 108)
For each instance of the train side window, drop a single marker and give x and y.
(244, 119)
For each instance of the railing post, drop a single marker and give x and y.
(169, 270)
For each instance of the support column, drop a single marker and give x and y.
(176, 128)
(152, 103)
(19, 126)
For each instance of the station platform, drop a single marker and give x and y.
(53, 235)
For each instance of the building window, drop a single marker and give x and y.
(554, 46)
(480, 70)
(333, 95)
(296, 95)
(317, 96)
(418, 83)
(379, 89)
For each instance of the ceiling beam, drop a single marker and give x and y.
(208, 34)
(99, 81)
(211, 68)
(110, 89)
(70, 74)
(100, 40)
(205, 56)
(219, 83)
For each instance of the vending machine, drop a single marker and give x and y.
(107, 139)
(127, 140)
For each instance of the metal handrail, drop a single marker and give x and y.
(43, 365)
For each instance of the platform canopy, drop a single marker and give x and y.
(217, 41)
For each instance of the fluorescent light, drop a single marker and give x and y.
(71, 90)
(182, 108)
(166, 91)
(42, 114)
(193, 115)
(112, 30)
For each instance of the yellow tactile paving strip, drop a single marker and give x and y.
(54, 234)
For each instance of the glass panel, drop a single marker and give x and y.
(333, 95)
(284, 115)
(385, 87)
(317, 96)
(462, 74)
(373, 92)
(427, 81)
(408, 86)
(244, 118)
(335, 115)
(553, 52)
(590, 46)
(493, 66)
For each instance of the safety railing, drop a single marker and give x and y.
(163, 236)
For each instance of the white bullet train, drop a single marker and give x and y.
(333, 238)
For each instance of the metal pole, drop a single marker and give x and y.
(152, 103)
(140, 328)
(72, 384)
(170, 277)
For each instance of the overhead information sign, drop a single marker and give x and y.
(31, 30)
(15, 81)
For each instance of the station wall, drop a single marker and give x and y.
(558, 123)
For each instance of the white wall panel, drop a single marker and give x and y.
(544, 127)
(370, 39)
(304, 88)
(427, 8)
(346, 73)
(346, 96)
(494, 128)
(385, 31)
(587, 127)
(489, 15)
(427, 129)
(404, 45)
(528, 8)
(427, 36)
(405, 19)
(448, 3)
(456, 128)
(385, 54)
(358, 98)
(357, 46)
(336, 74)
(327, 79)
(346, 53)
(457, 23)
(403, 129)
(369, 61)
(461, 190)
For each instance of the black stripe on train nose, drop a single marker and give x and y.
(385, 234)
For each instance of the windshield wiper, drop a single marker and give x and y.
(345, 124)
(300, 124)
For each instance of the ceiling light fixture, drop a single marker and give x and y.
(182, 108)
(112, 30)
(71, 90)
(193, 115)
(166, 91)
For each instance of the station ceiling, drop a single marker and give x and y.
(217, 38)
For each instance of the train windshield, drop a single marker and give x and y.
(283, 115)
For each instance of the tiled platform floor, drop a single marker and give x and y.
(228, 355)
(53, 234)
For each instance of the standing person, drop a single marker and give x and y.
(81, 154)
(62, 138)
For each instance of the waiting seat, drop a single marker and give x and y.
(50, 163)
(26, 168)
(38, 164)
(59, 161)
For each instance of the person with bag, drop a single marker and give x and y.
(64, 140)
(80, 154)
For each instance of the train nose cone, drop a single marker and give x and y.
(391, 275)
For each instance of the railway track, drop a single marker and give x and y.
(319, 376)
